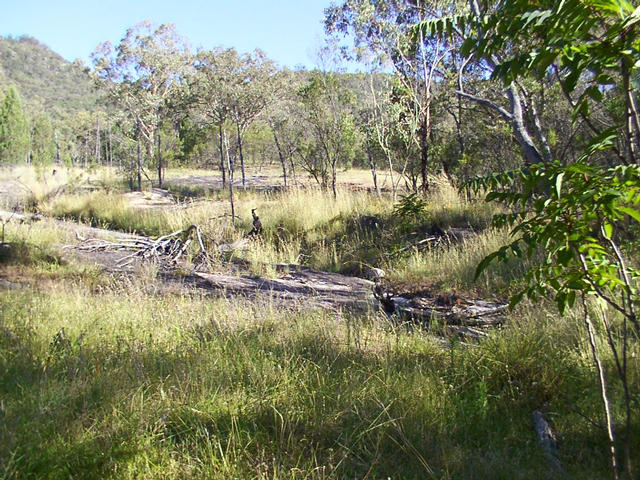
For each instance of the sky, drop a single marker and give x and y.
(288, 31)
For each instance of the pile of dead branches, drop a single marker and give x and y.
(166, 250)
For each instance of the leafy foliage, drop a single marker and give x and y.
(410, 206)
(142, 76)
(14, 129)
(575, 214)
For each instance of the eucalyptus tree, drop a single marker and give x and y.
(515, 104)
(253, 81)
(283, 115)
(211, 92)
(327, 112)
(382, 35)
(141, 75)
(14, 129)
(231, 87)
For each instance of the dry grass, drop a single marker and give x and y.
(101, 379)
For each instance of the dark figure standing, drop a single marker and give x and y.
(257, 224)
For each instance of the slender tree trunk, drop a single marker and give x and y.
(97, 155)
(280, 156)
(458, 121)
(293, 169)
(110, 154)
(55, 137)
(230, 166)
(241, 154)
(139, 160)
(222, 162)
(159, 160)
(372, 166)
(424, 156)
(394, 187)
(603, 393)
(632, 126)
(333, 179)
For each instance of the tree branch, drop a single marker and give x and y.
(484, 101)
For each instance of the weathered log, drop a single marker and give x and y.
(475, 313)
(547, 440)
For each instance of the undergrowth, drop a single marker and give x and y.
(349, 234)
(122, 384)
(102, 378)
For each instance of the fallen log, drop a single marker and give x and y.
(475, 313)
(459, 315)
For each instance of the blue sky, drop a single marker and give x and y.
(289, 31)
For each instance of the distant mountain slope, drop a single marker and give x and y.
(46, 81)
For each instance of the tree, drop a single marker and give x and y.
(578, 214)
(211, 92)
(465, 28)
(141, 75)
(43, 148)
(232, 87)
(282, 115)
(384, 28)
(14, 129)
(332, 139)
(250, 95)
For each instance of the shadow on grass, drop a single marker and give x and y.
(296, 402)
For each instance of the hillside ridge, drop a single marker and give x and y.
(45, 80)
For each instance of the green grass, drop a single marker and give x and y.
(126, 385)
(101, 379)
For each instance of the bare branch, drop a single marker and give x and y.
(488, 103)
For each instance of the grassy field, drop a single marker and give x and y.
(102, 378)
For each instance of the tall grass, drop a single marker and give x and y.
(33, 186)
(309, 226)
(453, 266)
(100, 378)
(119, 383)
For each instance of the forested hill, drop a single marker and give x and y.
(46, 81)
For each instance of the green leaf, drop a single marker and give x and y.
(607, 228)
(561, 302)
(467, 46)
(631, 212)
(485, 263)
(515, 299)
(564, 256)
(571, 299)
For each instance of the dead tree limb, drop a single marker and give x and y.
(165, 250)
